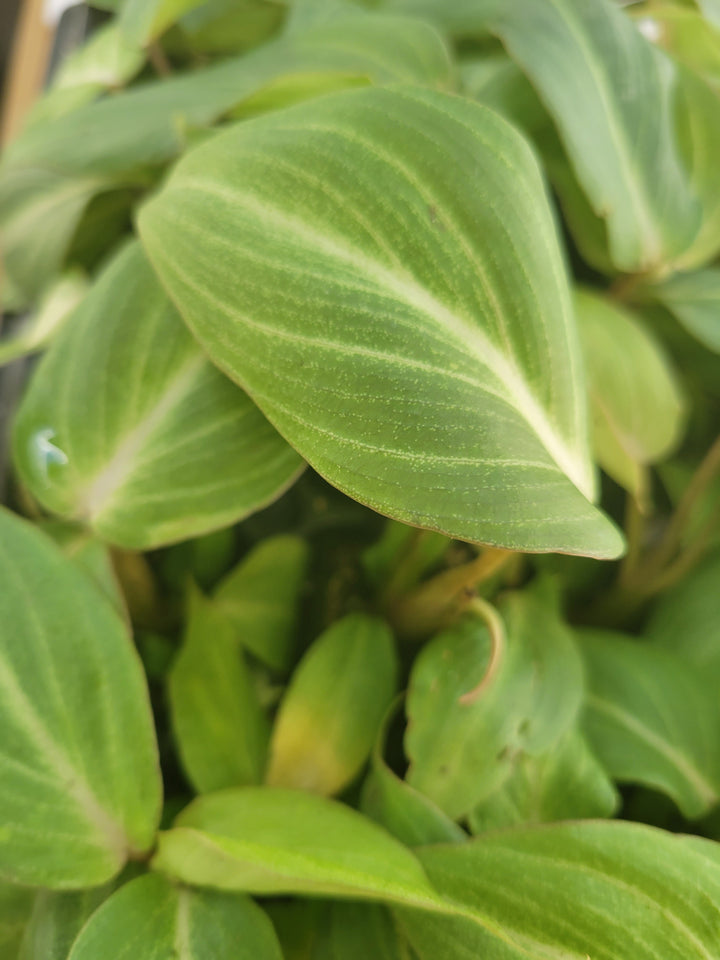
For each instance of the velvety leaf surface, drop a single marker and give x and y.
(566, 782)
(637, 405)
(272, 841)
(404, 352)
(616, 891)
(332, 710)
(149, 919)
(220, 728)
(260, 599)
(52, 171)
(461, 745)
(686, 620)
(16, 904)
(57, 919)
(694, 300)
(610, 93)
(127, 427)
(653, 718)
(78, 758)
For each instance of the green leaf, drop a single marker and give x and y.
(358, 931)
(653, 719)
(610, 93)
(16, 904)
(685, 34)
(52, 171)
(398, 560)
(260, 598)
(143, 21)
(55, 307)
(686, 620)
(150, 919)
(57, 919)
(403, 811)
(143, 459)
(333, 707)
(635, 397)
(78, 758)
(469, 714)
(565, 783)
(229, 26)
(90, 555)
(616, 891)
(269, 841)
(710, 10)
(220, 728)
(431, 429)
(694, 300)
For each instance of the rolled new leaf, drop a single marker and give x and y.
(127, 426)
(78, 756)
(333, 708)
(422, 358)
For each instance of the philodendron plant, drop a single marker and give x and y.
(360, 577)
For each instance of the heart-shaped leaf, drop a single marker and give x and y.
(78, 758)
(652, 718)
(272, 841)
(144, 460)
(423, 358)
(620, 891)
(149, 918)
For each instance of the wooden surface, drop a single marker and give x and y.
(27, 67)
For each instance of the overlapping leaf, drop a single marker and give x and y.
(127, 427)
(422, 356)
(620, 891)
(220, 727)
(611, 95)
(55, 168)
(57, 919)
(78, 758)
(694, 299)
(149, 918)
(637, 405)
(653, 718)
(271, 841)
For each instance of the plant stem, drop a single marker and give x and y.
(702, 478)
(159, 60)
(439, 601)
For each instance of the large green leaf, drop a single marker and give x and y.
(57, 919)
(78, 759)
(461, 744)
(566, 782)
(423, 358)
(149, 919)
(694, 299)
(635, 397)
(220, 727)
(126, 425)
(611, 95)
(271, 841)
(16, 904)
(142, 21)
(260, 598)
(53, 170)
(332, 710)
(616, 891)
(653, 718)
(686, 620)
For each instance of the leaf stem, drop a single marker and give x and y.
(436, 603)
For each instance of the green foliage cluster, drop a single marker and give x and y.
(360, 584)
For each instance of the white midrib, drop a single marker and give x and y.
(467, 334)
(182, 927)
(73, 782)
(704, 789)
(97, 496)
